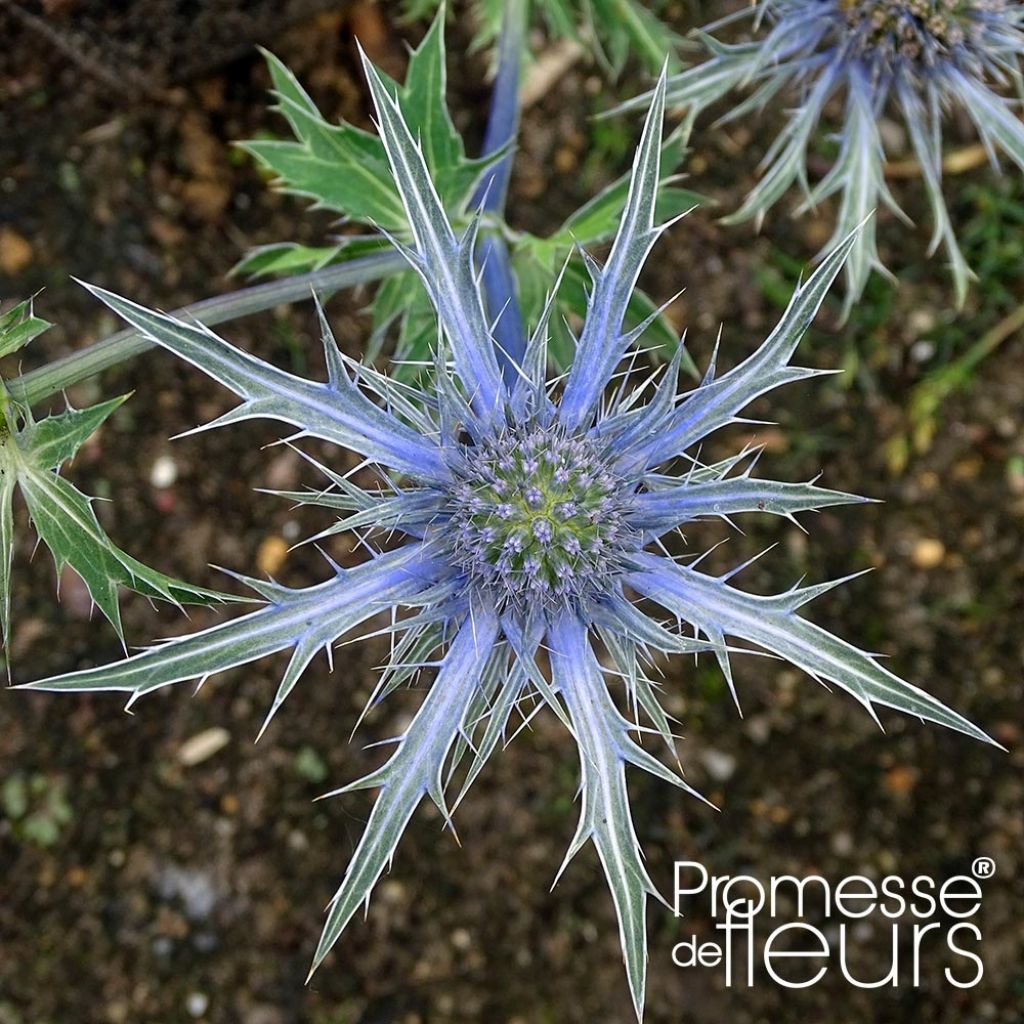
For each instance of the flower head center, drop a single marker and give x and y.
(918, 31)
(538, 516)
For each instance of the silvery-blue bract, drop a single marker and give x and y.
(530, 513)
(920, 58)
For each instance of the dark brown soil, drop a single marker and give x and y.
(173, 893)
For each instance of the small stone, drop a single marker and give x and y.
(967, 469)
(203, 746)
(759, 728)
(817, 232)
(888, 862)
(15, 251)
(166, 232)
(283, 471)
(566, 161)
(164, 472)
(1007, 733)
(195, 888)
(310, 765)
(900, 780)
(197, 1003)
(117, 1012)
(207, 200)
(720, 765)
(921, 321)
(264, 1014)
(393, 893)
(842, 844)
(1006, 426)
(928, 553)
(271, 555)
(922, 351)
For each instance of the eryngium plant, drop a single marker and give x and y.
(531, 513)
(919, 58)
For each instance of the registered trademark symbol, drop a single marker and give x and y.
(983, 867)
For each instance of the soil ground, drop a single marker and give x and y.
(152, 891)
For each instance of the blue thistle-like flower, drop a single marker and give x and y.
(531, 512)
(920, 58)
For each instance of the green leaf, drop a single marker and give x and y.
(628, 28)
(67, 525)
(560, 19)
(18, 327)
(51, 442)
(598, 219)
(340, 167)
(403, 300)
(345, 169)
(422, 100)
(285, 258)
(358, 188)
(614, 29)
(64, 518)
(288, 258)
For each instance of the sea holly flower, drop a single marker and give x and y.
(919, 59)
(531, 514)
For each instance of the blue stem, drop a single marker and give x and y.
(499, 284)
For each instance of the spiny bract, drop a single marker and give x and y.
(921, 58)
(531, 512)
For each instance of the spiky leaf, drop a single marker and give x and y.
(309, 619)
(18, 326)
(414, 771)
(336, 411)
(30, 456)
(770, 622)
(605, 748)
(602, 343)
